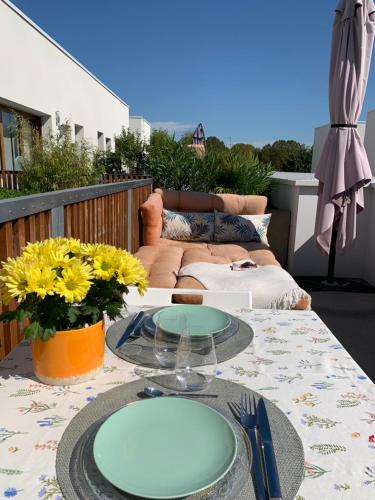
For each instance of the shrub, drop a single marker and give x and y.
(130, 151)
(176, 166)
(56, 162)
(241, 172)
(170, 162)
(12, 193)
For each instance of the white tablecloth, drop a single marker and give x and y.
(294, 360)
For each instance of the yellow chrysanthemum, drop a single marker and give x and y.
(5, 297)
(15, 276)
(41, 281)
(104, 267)
(131, 272)
(93, 250)
(74, 282)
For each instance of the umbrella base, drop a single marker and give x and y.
(333, 285)
(317, 284)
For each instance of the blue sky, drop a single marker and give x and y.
(250, 71)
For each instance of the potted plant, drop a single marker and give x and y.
(63, 288)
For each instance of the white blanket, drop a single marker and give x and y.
(271, 286)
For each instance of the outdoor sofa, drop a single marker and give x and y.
(164, 257)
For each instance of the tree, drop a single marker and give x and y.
(241, 147)
(187, 138)
(287, 156)
(130, 150)
(215, 145)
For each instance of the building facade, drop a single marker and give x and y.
(141, 126)
(47, 86)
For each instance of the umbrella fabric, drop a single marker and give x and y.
(198, 135)
(343, 169)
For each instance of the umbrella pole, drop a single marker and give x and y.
(330, 283)
(332, 257)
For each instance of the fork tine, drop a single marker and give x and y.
(251, 412)
(255, 408)
(243, 403)
(234, 408)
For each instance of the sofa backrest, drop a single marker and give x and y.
(190, 201)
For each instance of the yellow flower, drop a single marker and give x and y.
(15, 277)
(131, 272)
(74, 282)
(104, 266)
(41, 281)
(96, 249)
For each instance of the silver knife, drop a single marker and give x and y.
(271, 473)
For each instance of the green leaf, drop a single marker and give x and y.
(48, 332)
(34, 330)
(8, 316)
(113, 309)
(73, 314)
(22, 314)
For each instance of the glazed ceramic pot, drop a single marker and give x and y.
(70, 357)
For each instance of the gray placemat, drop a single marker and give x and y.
(288, 445)
(140, 351)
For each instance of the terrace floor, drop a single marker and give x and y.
(351, 318)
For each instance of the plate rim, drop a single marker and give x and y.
(228, 316)
(190, 492)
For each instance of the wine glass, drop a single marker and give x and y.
(196, 362)
(170, 326)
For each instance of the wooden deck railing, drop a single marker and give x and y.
(10, 179)
(105, 213)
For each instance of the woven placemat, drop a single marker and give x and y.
(140, 351)
(288, 445)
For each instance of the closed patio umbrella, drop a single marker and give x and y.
(198, 135)
(343, 169)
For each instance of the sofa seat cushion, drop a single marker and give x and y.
(162, 264)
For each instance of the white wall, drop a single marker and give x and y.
(320, 137)
(298, 193)
(141, 126)
(40, 77)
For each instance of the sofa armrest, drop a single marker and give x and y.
(152, 219)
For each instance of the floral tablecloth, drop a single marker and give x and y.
(294, 360)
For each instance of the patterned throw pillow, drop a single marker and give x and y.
(188, 226)
(229, 227)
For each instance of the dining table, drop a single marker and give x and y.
(294, 360)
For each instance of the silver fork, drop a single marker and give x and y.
(245, 412)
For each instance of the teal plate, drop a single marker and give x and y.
(201, 320)
(165, 448)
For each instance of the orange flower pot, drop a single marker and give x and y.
(70, 357)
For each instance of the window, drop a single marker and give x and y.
(78, 133)
(101, 141)
(108, 144)
(17, 133)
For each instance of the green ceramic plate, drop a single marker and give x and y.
(202, 320)
(165, 448)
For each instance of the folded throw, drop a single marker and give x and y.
(271, 286)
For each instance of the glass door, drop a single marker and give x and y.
(15, 139)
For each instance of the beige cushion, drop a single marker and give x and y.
(190, 201)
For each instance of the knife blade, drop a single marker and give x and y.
(271, 472)
(129, 329)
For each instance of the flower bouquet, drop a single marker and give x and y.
(62, 287)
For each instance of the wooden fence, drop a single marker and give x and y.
(10, 179)
(105, 213)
